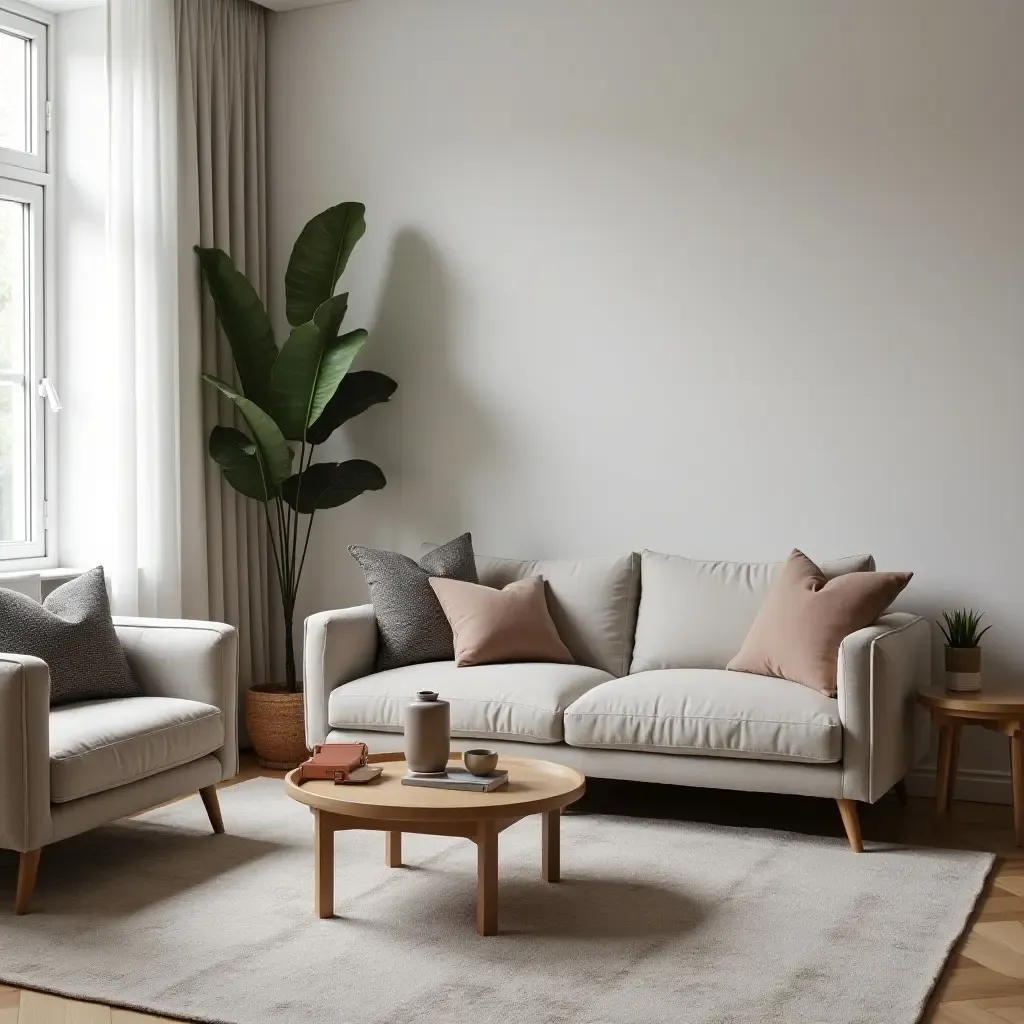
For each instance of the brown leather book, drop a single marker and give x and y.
(333, 762)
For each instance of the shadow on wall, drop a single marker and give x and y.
(435, 438)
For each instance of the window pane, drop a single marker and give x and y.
(15, 95)
(13, 284)
(14, 465)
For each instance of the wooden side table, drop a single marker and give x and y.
(998, 709)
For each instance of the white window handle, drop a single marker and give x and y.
(49, 392)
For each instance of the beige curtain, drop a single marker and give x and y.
(221, 55)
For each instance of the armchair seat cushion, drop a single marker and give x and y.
(708, 711)
(99, 745)
(520, 701)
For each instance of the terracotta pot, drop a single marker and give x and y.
(963, 669)
(276, 724)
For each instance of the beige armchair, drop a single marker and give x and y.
(67, 769)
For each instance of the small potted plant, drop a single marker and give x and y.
(963, 650)
(290, 400)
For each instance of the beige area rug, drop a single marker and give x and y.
(654, 922)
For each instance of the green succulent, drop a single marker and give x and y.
(961, 627)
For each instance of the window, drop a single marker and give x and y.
(26, 186)
(25, 193)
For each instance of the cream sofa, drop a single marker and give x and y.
(67, 769)
(649, 697)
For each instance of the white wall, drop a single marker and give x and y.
(715, 279)
(83, 321)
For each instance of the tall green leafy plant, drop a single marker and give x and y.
(292, 399)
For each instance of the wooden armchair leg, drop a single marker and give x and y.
(212, 805)
(851, 822)
(28, 866)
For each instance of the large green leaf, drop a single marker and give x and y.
(310, 367)
(318, 259)
(273, 448)
(329, 484)
(245, 323)
(356, 393)
(235, 453)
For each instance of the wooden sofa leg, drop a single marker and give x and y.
(212, 805)
(900, 789)
(28, 866)
(851, 822)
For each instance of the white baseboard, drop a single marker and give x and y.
(986, 787)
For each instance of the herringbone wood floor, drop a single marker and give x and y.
(983, 982)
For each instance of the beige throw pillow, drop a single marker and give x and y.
(805, 617)
(492, 626)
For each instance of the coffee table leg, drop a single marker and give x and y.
(393, 850)
(551, 846)
(486, 878)
(324, 853)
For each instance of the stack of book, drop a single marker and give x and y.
(459, 778)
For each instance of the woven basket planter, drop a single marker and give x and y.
(276, 724)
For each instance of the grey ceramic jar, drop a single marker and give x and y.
(427, 733)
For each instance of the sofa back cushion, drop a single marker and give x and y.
(593, 603)
(696, 614)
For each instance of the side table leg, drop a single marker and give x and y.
(1017, 771)
(393, 850)
(551, 846)
(486, 878)
(945, 775)
(324, 854)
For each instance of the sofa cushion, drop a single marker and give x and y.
(805, 618)
(98, 745)
(708, 711)
(592, 601)
(494, 626)
(696, 614)
(521, 701)
(411, 626)
(71, 631)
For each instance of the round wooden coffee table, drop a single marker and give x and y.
(1001, 709)
(385, 805)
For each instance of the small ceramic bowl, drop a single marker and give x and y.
(479, 761)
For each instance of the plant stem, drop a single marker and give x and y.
(289, 650)
(305, 545)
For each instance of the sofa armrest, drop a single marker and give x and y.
(189, 659)
(24, 752)
(339, 646)
(880, 670)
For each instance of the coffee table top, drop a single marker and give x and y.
(533, 786)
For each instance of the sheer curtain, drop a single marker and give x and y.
(139, 534)
(221, 70)
(187, 115)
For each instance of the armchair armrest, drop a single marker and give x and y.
(189, 659)
(339, 646)
(880, 669)
(24, 752)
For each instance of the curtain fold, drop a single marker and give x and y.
(136, 421)
(221, 117)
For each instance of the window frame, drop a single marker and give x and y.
(35, 32)
(30, 178)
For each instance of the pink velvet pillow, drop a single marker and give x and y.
(805, 617)
(492, 626)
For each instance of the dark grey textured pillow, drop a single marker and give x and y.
(411, 625)
(71, 631)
